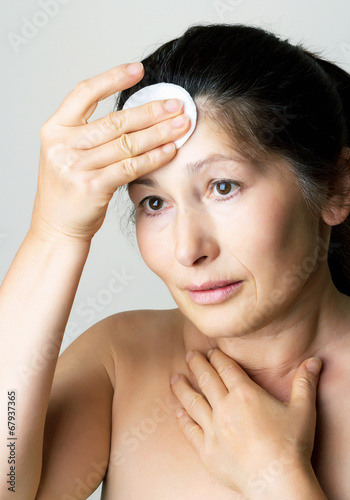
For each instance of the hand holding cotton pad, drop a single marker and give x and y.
(166, 91)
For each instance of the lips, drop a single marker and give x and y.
(210, 285)
(213, 292)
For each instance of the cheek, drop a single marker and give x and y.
(154, 249)
(269, 236)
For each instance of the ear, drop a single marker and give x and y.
(338, 206)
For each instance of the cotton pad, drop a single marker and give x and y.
(166, 91)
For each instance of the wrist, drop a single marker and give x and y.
(42, 250)
(43, 229)
(297, 481)
(56, 239)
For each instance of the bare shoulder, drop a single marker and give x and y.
(138, 324)
(132, 334)
(331, 456)
(336, 366)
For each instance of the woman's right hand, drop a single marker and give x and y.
(82, 164)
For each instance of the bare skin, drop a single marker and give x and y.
(81, 166)
(150, 457)
(107, 405)
(312, 321)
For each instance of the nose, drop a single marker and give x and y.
(195, 238)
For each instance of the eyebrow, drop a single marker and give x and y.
(191, 168)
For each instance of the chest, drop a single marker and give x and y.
(151, 459)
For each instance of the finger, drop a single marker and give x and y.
(192, 431)
(81, 102)
(121, 122)
(115, 175)
(195, 404)
(304, 386)
(133, 144)
(230, 372)
(208, 379)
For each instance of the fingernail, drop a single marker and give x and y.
(169, 148)
(173, 105)
(313, 365)
(134, 68)
(180, 121)
(174, 378)
(189, 356)
(180, 412)
(210, 352)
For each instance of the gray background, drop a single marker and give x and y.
(80, 39)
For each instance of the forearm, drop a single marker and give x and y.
(36, 297)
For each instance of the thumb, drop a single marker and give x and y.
(304, 386)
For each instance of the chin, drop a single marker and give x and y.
(210, 322)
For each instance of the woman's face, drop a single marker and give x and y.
(225, 220)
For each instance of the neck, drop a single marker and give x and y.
(271, 354)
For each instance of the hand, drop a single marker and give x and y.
(82, 164)
(239, 429)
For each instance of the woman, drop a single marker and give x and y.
(238, 224)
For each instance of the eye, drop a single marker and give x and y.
(151, 205)
(225, 187)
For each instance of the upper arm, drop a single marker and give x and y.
(79, 418)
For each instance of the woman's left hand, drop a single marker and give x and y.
(241, 432)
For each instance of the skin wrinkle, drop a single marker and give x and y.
(191, 169)
(255, 283)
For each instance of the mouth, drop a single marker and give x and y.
(211, 285)
(213, 292)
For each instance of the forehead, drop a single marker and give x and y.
(206, 146)
(206, 139)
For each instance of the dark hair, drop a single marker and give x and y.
(274, 100)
